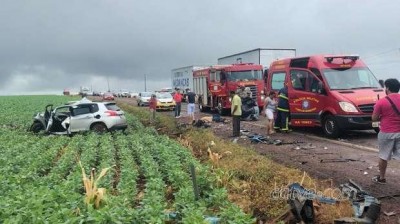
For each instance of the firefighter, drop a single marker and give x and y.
(282, 117)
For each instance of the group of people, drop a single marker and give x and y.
(271, 105)
(280, 107)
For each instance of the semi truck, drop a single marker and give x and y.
(259, 56)
(214, 83)
(335, 92)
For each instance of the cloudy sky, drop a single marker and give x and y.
(49, 45)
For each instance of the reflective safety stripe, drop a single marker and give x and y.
(283, 96)
(282, 109)
(286, 126)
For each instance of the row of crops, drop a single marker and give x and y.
(149, 180)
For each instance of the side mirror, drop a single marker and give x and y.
(382, 83)
(265, 75)
(321, 88)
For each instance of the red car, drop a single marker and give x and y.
(108, 96)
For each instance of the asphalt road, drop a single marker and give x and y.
(364, 138)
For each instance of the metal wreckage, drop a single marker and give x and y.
(366, 207)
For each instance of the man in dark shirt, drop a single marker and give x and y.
(191, 99)
(282, 117)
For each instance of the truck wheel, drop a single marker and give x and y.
(222, 111)
(330, 127)
(36, 127)
(98, 128)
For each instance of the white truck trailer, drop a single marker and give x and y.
(182, 78)
(260, 56)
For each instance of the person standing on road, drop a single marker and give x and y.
(387, 111)
(178, 101)
(152, 107)
(269, 110)
(191, 99)
(282, 117)
(236, 112)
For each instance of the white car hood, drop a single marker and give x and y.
(167, 100)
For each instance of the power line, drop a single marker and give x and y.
(382, 53)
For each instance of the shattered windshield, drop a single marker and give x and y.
(350, 78)
(244, 75)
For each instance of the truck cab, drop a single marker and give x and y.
(213, 85)
(335, 92)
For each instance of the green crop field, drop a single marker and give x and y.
(149, 180)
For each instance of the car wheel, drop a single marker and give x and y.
(330, 127)
(98, 128)
(36, 127)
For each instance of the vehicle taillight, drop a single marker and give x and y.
(111, 113)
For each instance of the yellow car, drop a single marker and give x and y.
(165, 101)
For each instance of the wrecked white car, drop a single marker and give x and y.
(83, 115)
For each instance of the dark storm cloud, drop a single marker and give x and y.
(57, 44)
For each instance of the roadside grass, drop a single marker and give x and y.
(254, 182)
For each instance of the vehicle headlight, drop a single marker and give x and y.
(262, 92)
(230, 99)
(262, 97)
(348, 107)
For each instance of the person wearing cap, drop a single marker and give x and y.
(153, 107)
(236, 112)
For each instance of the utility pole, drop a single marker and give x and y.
(108, 84)
(145, 83)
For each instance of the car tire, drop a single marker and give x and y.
(99, 128)
(36, 127)
(330, 127)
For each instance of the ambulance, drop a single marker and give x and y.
(334, 92)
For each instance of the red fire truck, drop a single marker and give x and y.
(213, 85)
(335, 92)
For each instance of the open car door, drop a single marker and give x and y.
(57, 117)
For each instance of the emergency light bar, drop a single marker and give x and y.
(351, 57)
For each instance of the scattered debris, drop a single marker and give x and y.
(217, 118)
(365, 173)
(370, 167)
(234, 140)
(366, 208)
(201, 124)
(325, 148)
(339, 160)
(206, 119)
(389, 213)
